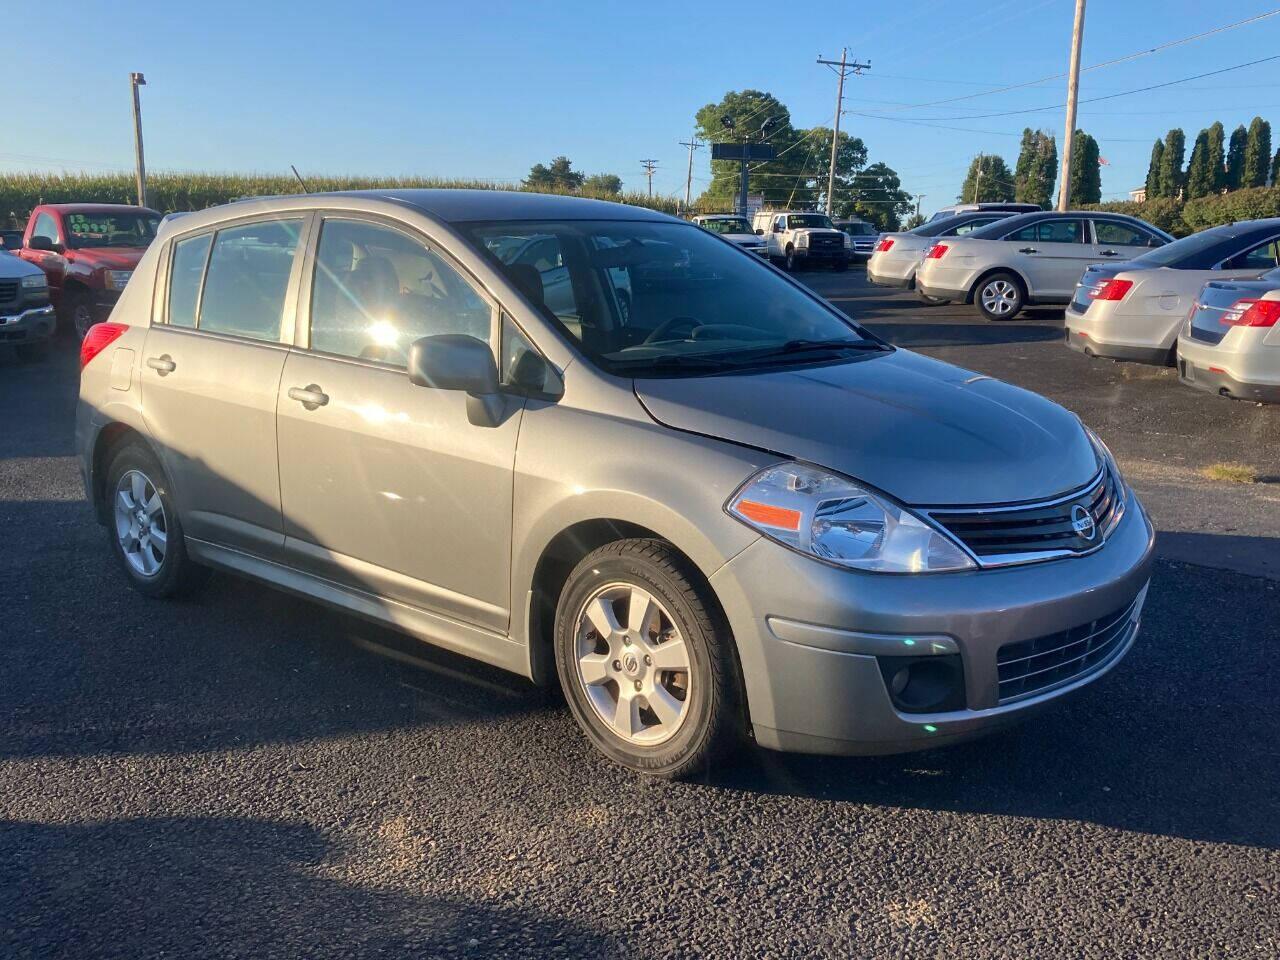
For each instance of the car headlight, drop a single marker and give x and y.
(116, 279)
(35, 281)
(1105, 456)
(802, 240)
(837, 520)
(848, 242)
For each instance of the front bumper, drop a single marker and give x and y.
(1250, 372)
(818, 254)
(27, 325)
(809, 637)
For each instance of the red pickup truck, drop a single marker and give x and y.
(88, 252)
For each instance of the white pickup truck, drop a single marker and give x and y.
(732, 227)
(795, 238)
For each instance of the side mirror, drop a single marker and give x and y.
(455, 361)
(759, 231)
(43, 243)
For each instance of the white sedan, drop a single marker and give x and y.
(1230, 345)
(1133, 311)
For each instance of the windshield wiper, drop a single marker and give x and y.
(675, 361)
(792, 347)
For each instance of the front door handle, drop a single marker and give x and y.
(1109, 253)
(162, 364)
(1026, 249)
(310, 396)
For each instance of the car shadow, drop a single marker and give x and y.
(241, 887)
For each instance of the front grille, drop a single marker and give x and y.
(1035, 666)
(824, 242)
(9, 291)
(1076, 523)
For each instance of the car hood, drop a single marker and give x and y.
(109, 258)
(12, 266)
(747, 238)
(920, 430)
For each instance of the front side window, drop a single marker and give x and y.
(377, 290)
(185, 273)
(86, 229)
(46, 227)
(666, 299)
(1261, 257)
(1120, 234)
(247, 279)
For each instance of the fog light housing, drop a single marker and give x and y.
(933, 684)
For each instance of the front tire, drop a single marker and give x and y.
(143, 527)
(1000, 296)
(78, 312)
(646, 661)
(840, 266)
(33, 352)
(790, 262)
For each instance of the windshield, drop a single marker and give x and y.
(1198, 251)
(727, 225)
(665, 299)
(800, 220)
(861, 229)
(110, 229)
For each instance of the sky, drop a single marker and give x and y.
(488, 89)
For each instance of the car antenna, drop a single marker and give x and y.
(305, 188)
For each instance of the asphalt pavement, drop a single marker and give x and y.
(245, 774)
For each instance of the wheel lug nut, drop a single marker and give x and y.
(617, 665)
(648, 660)
(626, 641)
(637, 684)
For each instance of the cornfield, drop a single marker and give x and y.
(167, 192)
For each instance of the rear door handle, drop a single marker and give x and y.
(1109, 253)
(310, 396)
(162, 364)
(1026, 249)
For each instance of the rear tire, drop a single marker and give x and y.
(929, 301)
(143, 527)
(1000, 296)
(676, 663)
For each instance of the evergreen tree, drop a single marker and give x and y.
(994, 184)
(1199, 176)
(1171, 174)
(1153, 170)
(1217, 157)
(1257, 154)
(1275, 170)
(1037, 168)
(1235, 158)
(1086, 174)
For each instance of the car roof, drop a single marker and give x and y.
(97, 208)
(463, 206)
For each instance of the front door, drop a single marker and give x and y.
(211, 374)
(53, 264)
(387, 487)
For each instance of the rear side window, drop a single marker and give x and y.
(1051, 231)
(972, 225)
(377, 290)
(247, 278)
(1121, 234)
(189, 257)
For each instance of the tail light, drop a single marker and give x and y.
(884, 245)
(1110, 289)
(1252, 313)
(937, 251)
(99, 337)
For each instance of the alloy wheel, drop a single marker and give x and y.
(633, 664)
(141, 525)
(82, 319)
(999, 298)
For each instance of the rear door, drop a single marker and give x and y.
(1051, 254)
(211, 372)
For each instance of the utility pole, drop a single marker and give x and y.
(693, 145)
(649, 167)
(1073, 89)
(919, 197)
(137, 80)
(977, 181)
(842, 69)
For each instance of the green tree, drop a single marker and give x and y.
(1257, 154)
(1171, 174)
(913, 221)
(1036, 169)
(1086, 172)
(988, 180)
(1275, 170)
(560, 175)
(1153, 170)
(1199, 176)
(877, 197)
(1235, 158)
(851, 157)
(1217, 157)
(754, 116)
(603, 184)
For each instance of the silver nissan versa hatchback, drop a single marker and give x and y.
(595, 445)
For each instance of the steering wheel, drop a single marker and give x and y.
(668, 325)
